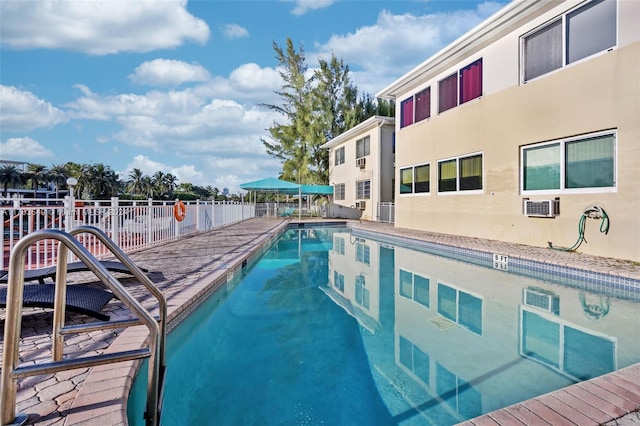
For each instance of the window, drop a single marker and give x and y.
(413, 358)
(363, 190)
(414, 287)
(415, 179)
(406, 112)
(460, 307)
(581, 33)
(338, 281)
(470, 78)
(448, 93)
(363, 147)
(406, 180)
(362, 293)
(339, 191)
(339, 153)
(471, 81)
(423, 104)
(570, 164)
(338, 245)
(363, 253)
(421, 178)
(460, 174)
(422, 111)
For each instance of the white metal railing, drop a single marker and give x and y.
(155, 351)
(133, 225)
(386, 212)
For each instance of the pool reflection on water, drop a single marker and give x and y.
(330, 328)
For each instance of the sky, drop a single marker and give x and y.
(177, 86)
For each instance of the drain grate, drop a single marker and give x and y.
(441, 323)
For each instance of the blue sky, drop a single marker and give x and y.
(176, 86)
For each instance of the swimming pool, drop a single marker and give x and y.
(333, 328)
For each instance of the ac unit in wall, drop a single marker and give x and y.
(361, 162)
(542, 299)
(360, 205)
(543, 208)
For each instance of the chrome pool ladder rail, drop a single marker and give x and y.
(155, 351)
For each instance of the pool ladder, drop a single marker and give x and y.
(155, 351)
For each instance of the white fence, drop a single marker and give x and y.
(133, 225)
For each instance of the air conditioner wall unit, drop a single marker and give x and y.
(543, 208)
(361, 162)
(361, 205)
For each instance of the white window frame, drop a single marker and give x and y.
(563, 190)
(458, 191)
(413, 192)
(563, 25)
(366, 141)
(337, 196)
(365, 196)
(339, 159)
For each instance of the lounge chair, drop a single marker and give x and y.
(50, 272)
(80, 299)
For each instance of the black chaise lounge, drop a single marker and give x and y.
(41, 274)
(80, 299)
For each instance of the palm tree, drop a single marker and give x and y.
(11, 175)
(135, 183)
(58, 172)
(170, 182)
(104, 182)
(147, 186)
(157, 182)
(38, 174)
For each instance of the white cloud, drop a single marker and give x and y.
(21, 111)
(216, 171)
(99, 27)
(232, 31)
(400, 41)
(304, 6)
(168, 72)
(25, 149)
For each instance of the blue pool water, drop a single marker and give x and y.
(333, 329)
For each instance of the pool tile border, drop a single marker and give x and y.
(598, 282)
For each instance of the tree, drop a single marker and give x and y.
(38, 174)
(104, 182)
(315, 109)
(289, 142)
(135, 183)
(11, 175)
(58, 173)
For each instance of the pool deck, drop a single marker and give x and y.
(187, 269)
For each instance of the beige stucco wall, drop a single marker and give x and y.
(597, 94)
(348, 173)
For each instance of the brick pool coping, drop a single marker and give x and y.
(102, 392)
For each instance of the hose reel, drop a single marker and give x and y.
(592, 211)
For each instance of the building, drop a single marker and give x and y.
(361, 167)
(526, 129)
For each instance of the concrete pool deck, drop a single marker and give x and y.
(187, 269)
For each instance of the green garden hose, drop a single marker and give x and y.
(594, 212)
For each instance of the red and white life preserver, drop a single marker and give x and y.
(179, 211)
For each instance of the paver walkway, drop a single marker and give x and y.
(184, 269)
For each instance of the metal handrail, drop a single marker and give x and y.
(11, 372)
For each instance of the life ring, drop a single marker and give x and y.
(179, 211)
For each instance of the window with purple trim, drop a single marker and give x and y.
(406, 112)
(448, 93)
(460, 87)
(423, 104)
(471, 81)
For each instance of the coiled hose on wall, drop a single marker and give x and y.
(593, 212)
